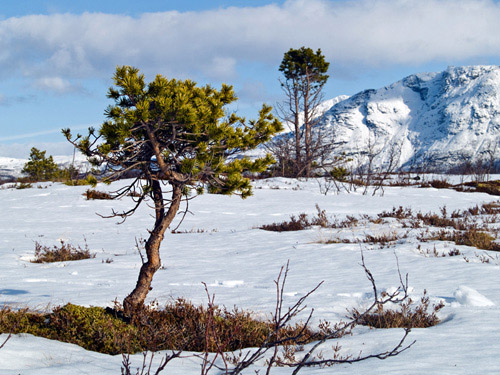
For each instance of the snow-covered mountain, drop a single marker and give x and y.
(436, 120)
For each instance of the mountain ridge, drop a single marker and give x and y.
(437, 120)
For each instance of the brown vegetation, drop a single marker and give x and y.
(470, 237)
(96, 194)
(407, 316)
(179, 325)
(61, 253)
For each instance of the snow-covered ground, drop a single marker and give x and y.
(239, 263)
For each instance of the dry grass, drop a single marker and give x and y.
(62, 253)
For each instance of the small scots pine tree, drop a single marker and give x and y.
(39, 167)
(177, 138)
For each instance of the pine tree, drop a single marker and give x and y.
(39, 167)
(305, 75)
(178, 139)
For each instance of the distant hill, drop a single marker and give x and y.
(10, 168)
(436, 120)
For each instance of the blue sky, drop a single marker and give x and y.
(57, 57)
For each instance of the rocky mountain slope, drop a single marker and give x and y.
(436, 120)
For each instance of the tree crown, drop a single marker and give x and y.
(303, 63)
(175, 131)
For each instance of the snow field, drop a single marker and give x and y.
(239, 263)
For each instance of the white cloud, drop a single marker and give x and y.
(56, 84)
(212, 43)
(37, 134)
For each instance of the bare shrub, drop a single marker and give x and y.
(63, 252)
(436, 254)
(147, 363)
(313, 357)
(5, 341)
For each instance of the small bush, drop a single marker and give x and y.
(440, 184)
(382, 239)
(398, 213)
(90, 179)
(303, 222)
(339, 173)
(489, 187)
(470, 237)
(23, 185)
(96, 194)
(62, 253)
(436, 254)
(299, 223)
(408, 316)
(475, 238)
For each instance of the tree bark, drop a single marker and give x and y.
(297, 130)
(307, 126)
(136, 299)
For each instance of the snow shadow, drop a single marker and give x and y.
(13, 292)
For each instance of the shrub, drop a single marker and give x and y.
(180, 325)
(470, 237)
(96, 194)
(475, 238)
(339, 173)
(90, 179)
(303, 222)
(62, 253)
(408, 316)
(440, 184)
(489, 187)
(299, 223)
(398, 213)
(382, 238)
(23, 185)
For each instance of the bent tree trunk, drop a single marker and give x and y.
(136, 299)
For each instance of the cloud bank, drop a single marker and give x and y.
(212, 43)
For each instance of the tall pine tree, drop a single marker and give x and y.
(305, 75)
